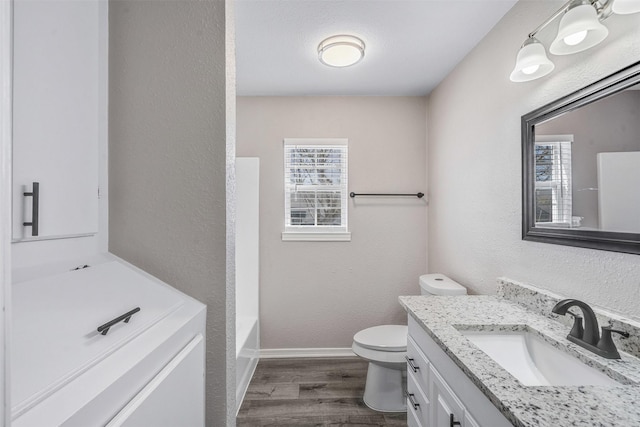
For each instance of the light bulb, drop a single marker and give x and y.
(530, 70)
(575, 38)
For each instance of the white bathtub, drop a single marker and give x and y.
(247, 354)
(247, 273)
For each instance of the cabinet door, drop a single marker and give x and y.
(444, 403)
(469, 421)
(57, 115)
(175, 397)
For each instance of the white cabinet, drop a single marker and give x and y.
(148, 371)
(444, 395)
(59, 81)
(159, 405)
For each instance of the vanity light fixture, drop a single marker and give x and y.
(625, 7)
(532, 62)
(341, 51)
(580, 28)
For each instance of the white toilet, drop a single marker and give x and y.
(385, 347)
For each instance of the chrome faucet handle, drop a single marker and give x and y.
(577, 330)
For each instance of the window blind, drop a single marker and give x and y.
(553, 180)
(315, 182)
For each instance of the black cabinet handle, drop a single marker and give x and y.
(103, 329)
(35, 193)
(411, 365)
(453, 423)
(412, 400)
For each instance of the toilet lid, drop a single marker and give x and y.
(385, 337)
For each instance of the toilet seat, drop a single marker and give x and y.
(390, 338)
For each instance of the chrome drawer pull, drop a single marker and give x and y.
(411, 365)
(412, 399)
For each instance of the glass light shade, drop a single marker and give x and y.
(531, 62)
(341, 51)
(579, 30)
(625, 7)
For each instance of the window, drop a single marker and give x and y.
(553, 180)
(315, 189)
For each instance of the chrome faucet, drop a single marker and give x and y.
(589, 337)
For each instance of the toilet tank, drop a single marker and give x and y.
(439, 284)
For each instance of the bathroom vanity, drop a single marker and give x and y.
(105, 344)
(454, 378)
(433, 400)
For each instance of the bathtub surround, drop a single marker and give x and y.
(171, 154)
(474, 231)
(316, 295)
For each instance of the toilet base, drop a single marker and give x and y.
(384, 390)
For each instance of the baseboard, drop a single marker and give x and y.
(277, 353)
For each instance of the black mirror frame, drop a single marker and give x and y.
(593, 239)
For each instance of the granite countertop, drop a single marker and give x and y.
(588, 406)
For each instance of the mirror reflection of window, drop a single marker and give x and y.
(553, 201)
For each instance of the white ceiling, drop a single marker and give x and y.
(411, 45)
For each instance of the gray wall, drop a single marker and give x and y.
(318, 294)
(168, 160)
(474, 165)
(607, 126)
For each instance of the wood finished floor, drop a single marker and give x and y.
(311, 392)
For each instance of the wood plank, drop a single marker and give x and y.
(311, 370)
(272, 391)
(332, 390)
(298, 407)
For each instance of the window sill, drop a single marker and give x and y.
(292, 236)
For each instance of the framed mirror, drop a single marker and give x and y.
(581, 167)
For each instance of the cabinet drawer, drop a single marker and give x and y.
(418, 364)
(412, 419)
(417, 402)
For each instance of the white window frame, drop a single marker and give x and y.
(314, 232)
(561, 184)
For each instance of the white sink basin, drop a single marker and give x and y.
(535, 362)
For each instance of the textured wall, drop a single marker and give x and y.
(168, 161)
(474, 166)
(318, 294)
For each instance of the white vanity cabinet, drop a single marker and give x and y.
(439, 394)
(59, 114)
(147, 371)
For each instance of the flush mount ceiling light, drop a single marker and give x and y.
(580, 28)
(341, 51)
